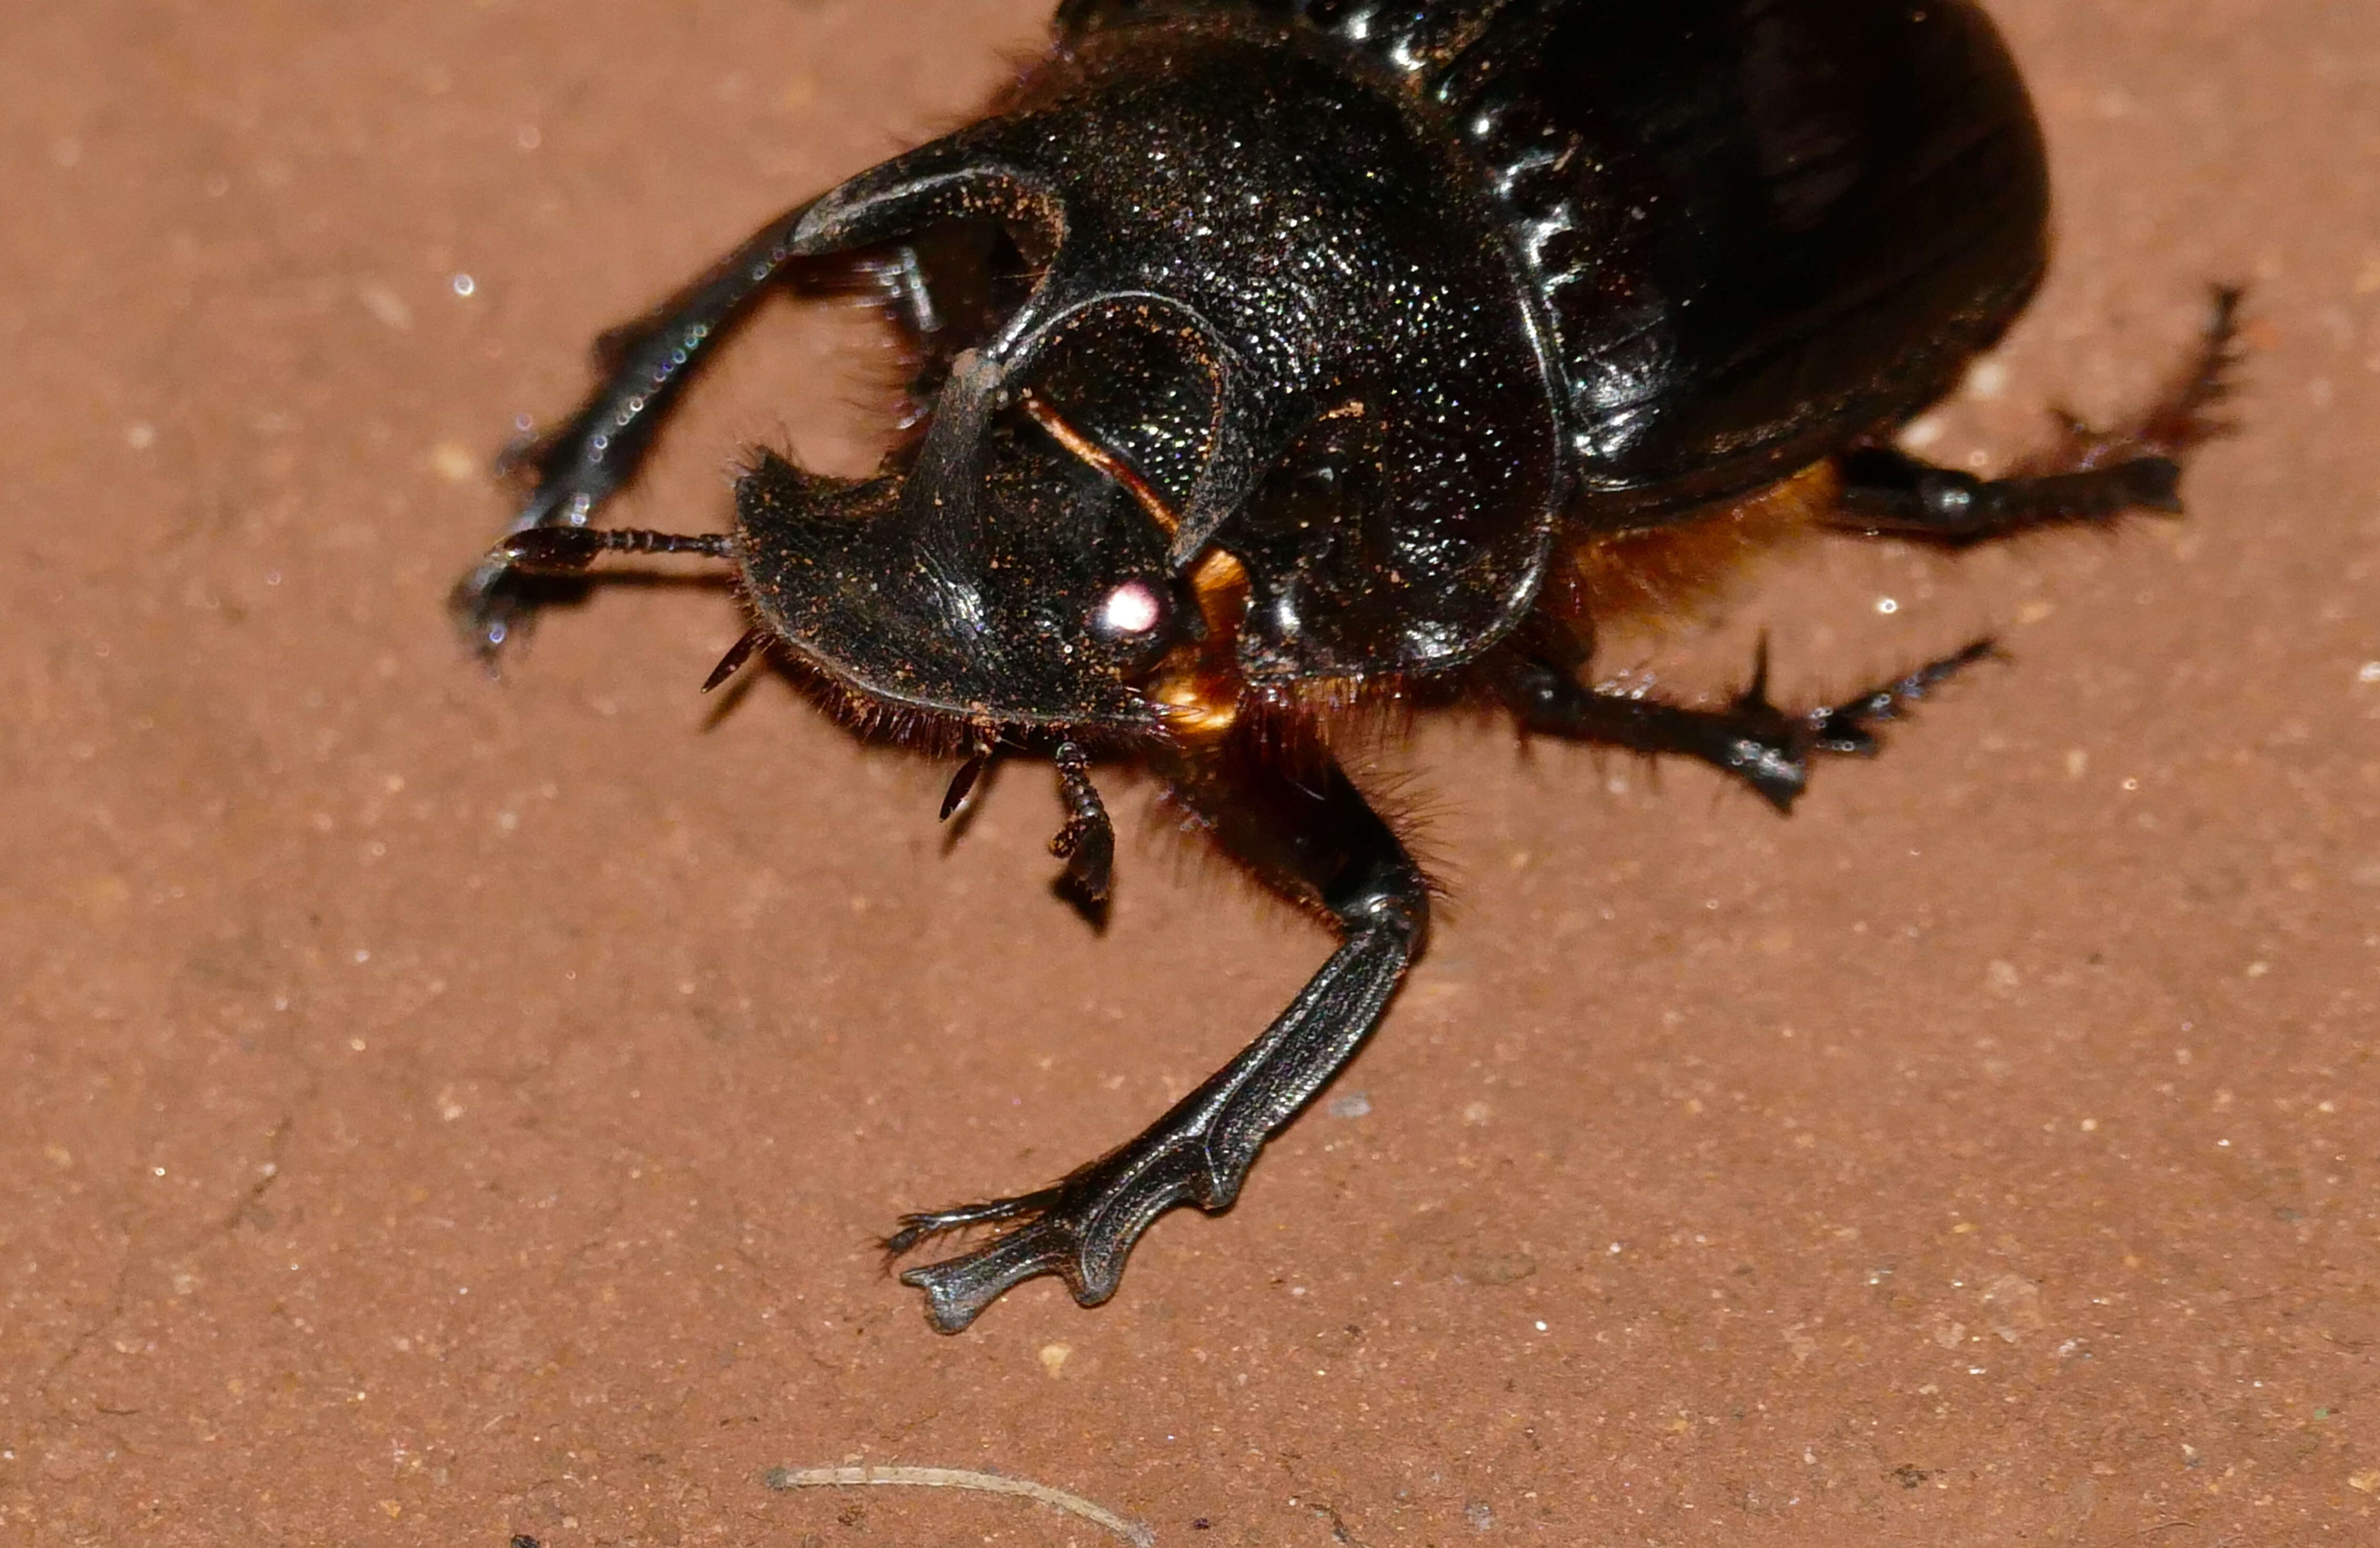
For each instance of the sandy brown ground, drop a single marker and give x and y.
(436, 1109)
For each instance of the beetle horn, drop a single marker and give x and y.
(938, 499)
(1001, 169)
(963, 176)
(1202, 493)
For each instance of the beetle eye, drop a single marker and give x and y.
(1130, 611)
(1133, 620)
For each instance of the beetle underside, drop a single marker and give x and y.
(1198, 453)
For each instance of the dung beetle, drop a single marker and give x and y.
(1268, 356)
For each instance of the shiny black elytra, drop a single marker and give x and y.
(1264, 355)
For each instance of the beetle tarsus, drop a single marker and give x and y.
(1843, 729)
(924, 1226)
(1767, 748)
(2180, 419)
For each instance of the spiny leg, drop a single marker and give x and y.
(646, 366)
(940, 293)
(1311, 836)
(2183, 416)
(2090, 475)
(1751, 739)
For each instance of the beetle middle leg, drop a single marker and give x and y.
(2089, 476)
(1752, 739)
(644, 365)
(939, 293)
(1310, 835)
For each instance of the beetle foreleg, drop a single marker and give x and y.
(1315, 838)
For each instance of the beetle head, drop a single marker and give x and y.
(987, 574)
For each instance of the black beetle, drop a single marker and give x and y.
(1264, 355)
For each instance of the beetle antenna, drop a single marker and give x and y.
(1087, 842)
(566, 550)
(1091, 454)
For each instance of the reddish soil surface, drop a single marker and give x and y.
(437, 1109)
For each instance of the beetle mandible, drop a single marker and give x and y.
(1264, 353)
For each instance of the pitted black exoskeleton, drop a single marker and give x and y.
(1265, 355)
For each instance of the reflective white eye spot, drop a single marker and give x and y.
(1131, 608)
